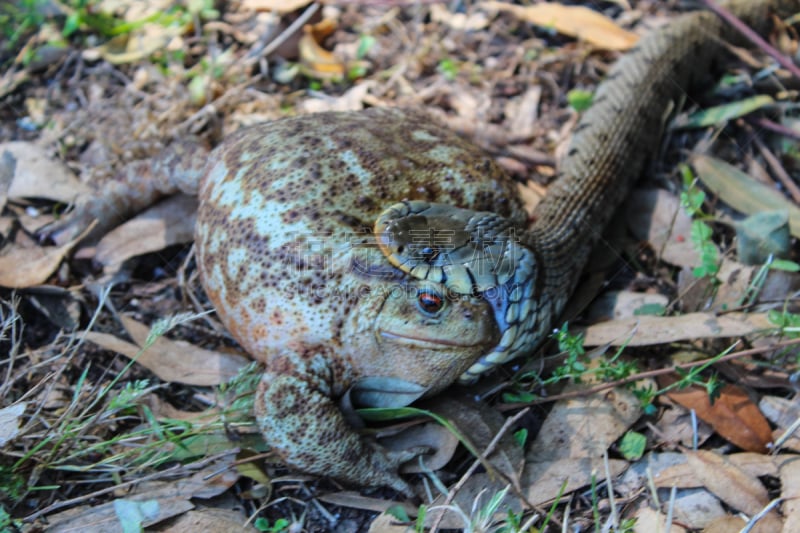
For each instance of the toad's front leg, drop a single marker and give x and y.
(302, 423)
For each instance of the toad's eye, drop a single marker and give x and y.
(429, 302)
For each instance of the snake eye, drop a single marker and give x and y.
(429, 302)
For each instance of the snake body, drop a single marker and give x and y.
(534, 271)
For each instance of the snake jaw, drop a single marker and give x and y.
(483, 257)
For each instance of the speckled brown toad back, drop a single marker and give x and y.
(287, 253)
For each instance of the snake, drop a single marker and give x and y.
(529, 274)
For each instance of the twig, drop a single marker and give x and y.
(778, 169)
(767, 124)
(649, 374)
(753, 37)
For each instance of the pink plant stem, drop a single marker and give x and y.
(755, 38)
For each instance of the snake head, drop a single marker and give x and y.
(469, 254)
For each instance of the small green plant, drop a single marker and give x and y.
(17, 19)
(692, 199)
(789, 323)
(262, 524)
(7, 523)
(580, 99)
(448, 68)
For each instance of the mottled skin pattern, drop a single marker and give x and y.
(287, 254)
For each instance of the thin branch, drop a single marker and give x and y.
(753, 37)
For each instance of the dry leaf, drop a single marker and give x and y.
(25, 263)
(176, 361)
(656, 216)
(584, 426)
(726, 524)
(733, 485)
(733, 415)
(315, 61)
(357, 501)
(649, 520)
(279, 6)
(386, 523)
(780, 411)
(167, 223)
(36, 175)
(616, 305)
(544, 480)
(790, 492)
(741, 192)
(209, 519)
(9, 421)
(754, 464)
(576, 21)
(676, 426)
(647, 330)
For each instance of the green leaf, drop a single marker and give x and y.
(785, 265)
(365, 43)
(579, 99)
(521, 437)
(72, 24)
(632, 445)
(650, 309)
(399, 512)
(723, 113)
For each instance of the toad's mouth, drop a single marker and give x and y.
(425, 342)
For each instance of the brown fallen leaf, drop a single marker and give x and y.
(656, 216)
(167, 223)
(617, 305)
(543, 481)
(647, 330)
(741, 192)
(730, 483)
(37, 175)
(649, 520)
(366, 503)
(576, 21)
(754, 464)
(584, 426)
(315, 61)
(25, 264)
(176, 361)
(726, 524)
(733, 415)
(790, 492)
(210, 519)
